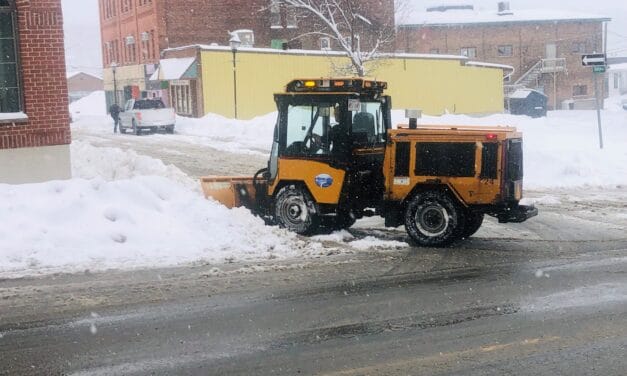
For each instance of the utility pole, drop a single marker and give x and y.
(596, 94)
(598, 62)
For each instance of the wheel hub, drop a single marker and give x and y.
(294, 210)
(432, 220)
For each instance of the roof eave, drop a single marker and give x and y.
(451, 24)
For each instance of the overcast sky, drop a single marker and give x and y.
(82, 30)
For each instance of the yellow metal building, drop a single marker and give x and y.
(435, 84)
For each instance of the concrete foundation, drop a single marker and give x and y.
(35, 165)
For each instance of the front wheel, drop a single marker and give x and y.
(472, 224)
(296, 211)
(432, 219)
(169, 129)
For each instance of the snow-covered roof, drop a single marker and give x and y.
(457, 17)
(172, 69)
(74, 74)
(522, 93)
(316, 52)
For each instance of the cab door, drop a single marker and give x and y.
(305, 151)
(369, 121)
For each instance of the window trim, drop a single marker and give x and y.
(505, 46)
(12, 9)
(461, 52)
(328, 42)
(580, 95)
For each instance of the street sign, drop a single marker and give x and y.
(598, 69)
(593, 59)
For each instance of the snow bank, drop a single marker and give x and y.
(144, 221)
(110, 164)
(237, 136)
(92, 105)
(561, 150)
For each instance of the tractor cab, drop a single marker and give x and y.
(329, 143)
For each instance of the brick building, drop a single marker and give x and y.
(543, 46)
(135, 32)
(34, 116)
(81, 84)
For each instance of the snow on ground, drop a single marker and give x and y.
(562, 149)
(92, 105)
(145, 221)
(235, 136)
(111, 164)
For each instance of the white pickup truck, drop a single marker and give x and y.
(141, 114)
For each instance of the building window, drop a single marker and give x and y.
(110, 9)
(469, 52)
(616, 80)
(580, 90)
(10, 90)
(505, 50)
(145, 2)
(325, 43)
(291, 18)
(434, 51)
(181, 97)
(578, 47)
(127, 5)
(275, 15)
(349, 43)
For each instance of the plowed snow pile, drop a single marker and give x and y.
(120, 219)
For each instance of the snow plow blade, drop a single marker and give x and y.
(230, 191)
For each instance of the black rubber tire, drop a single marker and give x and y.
(343, 221)
(169, 129)
(473, 222)
(295, 210)
(135, 129)
(432, 219)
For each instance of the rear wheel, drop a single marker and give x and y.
(296, 211)
(472, 224)
(169, 129)
(432, 219)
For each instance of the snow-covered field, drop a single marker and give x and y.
(125, 210)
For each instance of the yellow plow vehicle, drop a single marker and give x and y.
(335, 158)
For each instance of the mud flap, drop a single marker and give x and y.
(517, 214)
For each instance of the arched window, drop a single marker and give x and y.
(10, 90)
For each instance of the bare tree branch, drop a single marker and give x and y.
(343, 20)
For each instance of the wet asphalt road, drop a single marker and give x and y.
(552, 301)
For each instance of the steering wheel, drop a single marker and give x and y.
(315, 143)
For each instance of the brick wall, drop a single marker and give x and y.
(528, 40)
(184, 22)
(42, 62)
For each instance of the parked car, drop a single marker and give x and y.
(147, 114)
(624, 103)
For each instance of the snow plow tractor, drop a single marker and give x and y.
(335, 158)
